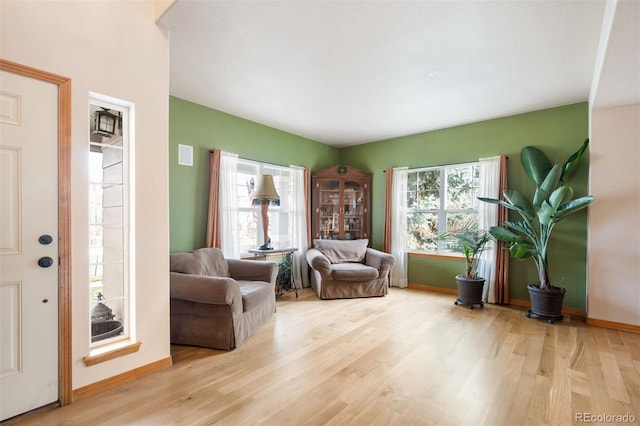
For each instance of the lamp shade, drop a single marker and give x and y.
(265, 192)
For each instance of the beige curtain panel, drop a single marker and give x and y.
(213, 214)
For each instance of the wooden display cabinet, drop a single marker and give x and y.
(341, 203)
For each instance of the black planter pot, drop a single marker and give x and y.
(546, 304)
(469, 291)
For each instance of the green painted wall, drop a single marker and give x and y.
(557, 131)
(205, 129)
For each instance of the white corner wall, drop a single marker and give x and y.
(613, 291)
(113, 48)
(614, 217)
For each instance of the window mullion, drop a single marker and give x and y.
(442, 213)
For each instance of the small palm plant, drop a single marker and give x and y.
(471, 241)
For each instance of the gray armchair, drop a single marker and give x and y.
(343, 269)
(217, 302)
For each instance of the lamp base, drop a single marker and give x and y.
(266, 245)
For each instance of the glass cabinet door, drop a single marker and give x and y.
(353, 210)
(341, 210)
(329, 213)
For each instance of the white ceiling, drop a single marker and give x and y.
(351, 72)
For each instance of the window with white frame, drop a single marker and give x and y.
(440, 199)
(249, 222)
(110, 213)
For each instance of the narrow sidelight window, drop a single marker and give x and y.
(110, 213)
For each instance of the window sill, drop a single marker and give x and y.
(442, 256)
(111, 351)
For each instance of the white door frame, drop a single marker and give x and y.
(64, 218)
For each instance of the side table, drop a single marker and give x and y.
(284, 281)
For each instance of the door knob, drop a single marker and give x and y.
(45, 239)
(45, 262)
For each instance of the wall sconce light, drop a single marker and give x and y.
(264, 196)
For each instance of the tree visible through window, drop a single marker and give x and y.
(439, 200)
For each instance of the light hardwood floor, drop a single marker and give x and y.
(409, 358)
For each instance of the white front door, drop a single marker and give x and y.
(28, 244)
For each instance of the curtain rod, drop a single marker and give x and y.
(261, 162)
(441, 165)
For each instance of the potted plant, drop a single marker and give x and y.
(471, 242)
(529, 237)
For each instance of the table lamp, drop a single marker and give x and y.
(264, 196)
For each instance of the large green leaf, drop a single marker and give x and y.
(535, 163)
(545, 213)
(573, 206)
(502, 234)
(503, 203)
(522, 251)
(490, 200)
(519, 200)
(518, 226)
(552, 179)
(539, 197)
(548, 185)
(559, 195)
(573, 161)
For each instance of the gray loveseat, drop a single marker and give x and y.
(343, 269)
(217, 302)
